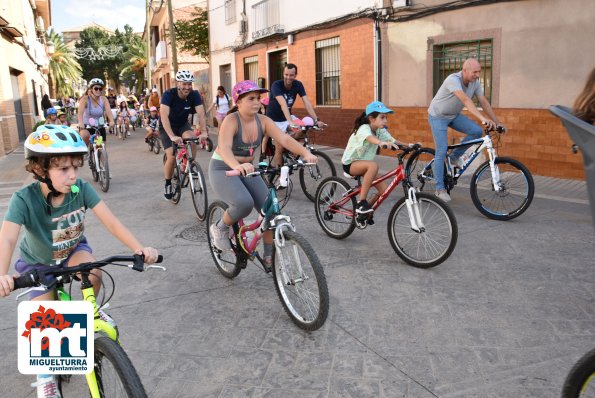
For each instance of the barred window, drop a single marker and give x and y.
(230, 11)
(251, 68)
(448, 58)
(328, 72)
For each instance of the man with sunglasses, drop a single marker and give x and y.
(92, 109)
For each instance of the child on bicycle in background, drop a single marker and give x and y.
(123, 116)
(53, 210)
(369, 132)
(152, 123)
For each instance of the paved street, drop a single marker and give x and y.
(505, 316)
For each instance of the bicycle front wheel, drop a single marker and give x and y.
(115, 374)
(103, 169)
(208, 145)
(300, 281)
(312, 176)
(226, 261)
(176, 185)
(580, 381)
(334, 211)
(516, 189)
(418, 171)
(436, 240)
(156, 146)
(198, 191)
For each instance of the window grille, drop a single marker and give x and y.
(230, 11)
(328, 72)
(448, 58)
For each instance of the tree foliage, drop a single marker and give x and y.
(193, 35)
(64, 67)
(95, 38)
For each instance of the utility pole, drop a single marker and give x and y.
(148, 33)
(172, 37)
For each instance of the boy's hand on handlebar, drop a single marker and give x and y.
(6, 285)
(244, 168)
(321, 124)
(310, 158)
(150, 255)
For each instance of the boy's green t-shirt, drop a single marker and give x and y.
(49, 239)
(360, 149)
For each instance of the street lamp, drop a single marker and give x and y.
(51, 48)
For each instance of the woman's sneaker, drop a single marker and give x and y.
(47, 387)
(442, 194)
(220, 236)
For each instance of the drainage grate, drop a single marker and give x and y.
(196, 233)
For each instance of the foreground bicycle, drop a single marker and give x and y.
(422, 229)
(310, 176)
(98, 162)
(299, 278)
(580, 381)
(501, 188)
(114, 374)
(188, 173)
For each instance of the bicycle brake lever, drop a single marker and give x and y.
(31, 289)
(161, 267)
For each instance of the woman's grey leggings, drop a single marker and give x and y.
(242, 194)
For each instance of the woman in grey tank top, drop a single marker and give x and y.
(93, 106)
(239, 134)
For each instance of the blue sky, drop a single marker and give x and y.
(112, 14)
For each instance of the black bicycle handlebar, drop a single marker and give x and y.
(37, 277)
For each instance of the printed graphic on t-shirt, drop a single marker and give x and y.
(68, 232)
(289, 99)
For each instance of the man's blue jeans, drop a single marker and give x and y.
(440, 127)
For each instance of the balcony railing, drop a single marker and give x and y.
(265, 19)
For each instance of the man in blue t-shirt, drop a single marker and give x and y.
(282, 97)
(176, 105)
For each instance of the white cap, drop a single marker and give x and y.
(154, 90)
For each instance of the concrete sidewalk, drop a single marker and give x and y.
(505, 316)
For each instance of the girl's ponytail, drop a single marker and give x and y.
(359, 121)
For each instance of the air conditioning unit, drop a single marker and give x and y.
(39, 24)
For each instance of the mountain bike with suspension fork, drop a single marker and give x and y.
(310, 176)
(188, 173)
(299, 278)
(98, 162)
(422, 229)
(113, 374)
(501, 188)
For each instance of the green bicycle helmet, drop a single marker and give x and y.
(51, 140)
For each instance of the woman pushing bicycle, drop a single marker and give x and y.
(239, 135)
(369, 132)
(53, 210)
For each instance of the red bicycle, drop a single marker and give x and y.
(422, 229)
